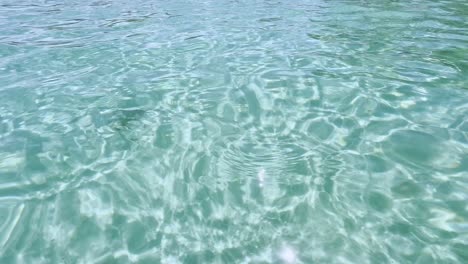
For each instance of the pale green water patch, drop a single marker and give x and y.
(233, 132)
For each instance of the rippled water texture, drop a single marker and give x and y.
(248, 131)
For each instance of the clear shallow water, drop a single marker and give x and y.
(233, 132)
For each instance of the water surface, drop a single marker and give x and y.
(233, 131)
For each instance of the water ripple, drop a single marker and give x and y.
(233, 131)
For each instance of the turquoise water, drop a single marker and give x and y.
(234, 131)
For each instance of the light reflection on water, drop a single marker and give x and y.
(233, 132)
